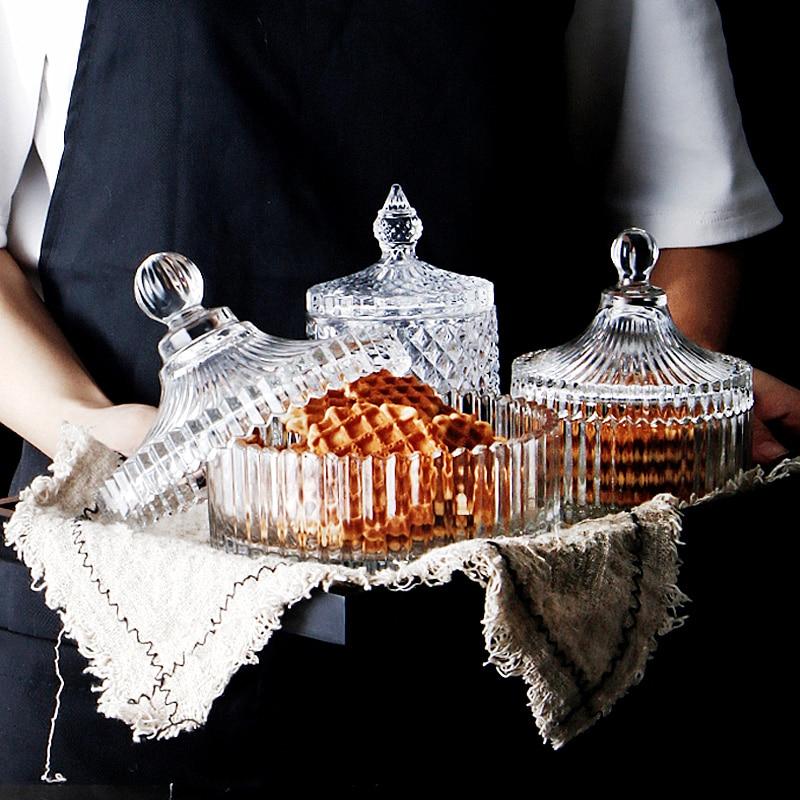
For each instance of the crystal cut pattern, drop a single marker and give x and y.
(376, 510)
(643, 409)
(221, 377)
(447, 321)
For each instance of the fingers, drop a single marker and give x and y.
(776, 418)
(776, 401)
(766, 448)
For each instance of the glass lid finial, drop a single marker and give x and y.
(168, 287)
(167, 284)
(397, 226)
(634, 253)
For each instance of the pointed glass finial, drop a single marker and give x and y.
(397, 226)
(396, 201)
(634, 253)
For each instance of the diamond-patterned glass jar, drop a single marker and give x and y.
(643, 409)
(446, 321)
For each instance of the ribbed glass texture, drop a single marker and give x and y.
(219, 388)
(643, 410)
(220, 377)
(379, 510)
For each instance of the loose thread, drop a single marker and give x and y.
(47, 777)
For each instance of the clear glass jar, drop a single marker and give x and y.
(375, 510)
(220, 377)
(643, 409)
(446, 321)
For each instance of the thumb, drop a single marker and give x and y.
(766, 448)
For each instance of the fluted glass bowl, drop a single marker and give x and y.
(375, 510)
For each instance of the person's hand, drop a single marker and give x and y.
(49, 383)
(776, 418)
(122, 428)
(702, 285)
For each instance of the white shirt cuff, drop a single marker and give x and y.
(679, 227)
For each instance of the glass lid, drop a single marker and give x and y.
(633, 351)
(220, 377)
(400, 284)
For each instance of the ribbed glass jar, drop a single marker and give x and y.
(375, 510)
(643, 409)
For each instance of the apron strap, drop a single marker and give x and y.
(5, 503)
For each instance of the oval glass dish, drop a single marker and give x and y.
(375, 510)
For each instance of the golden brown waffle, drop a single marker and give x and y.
(366, 429)
(299, 420)
(408, 390)
(254, 437)
(457, 429)
(409, 518)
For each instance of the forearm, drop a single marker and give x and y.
(45, 382)
(702, 284)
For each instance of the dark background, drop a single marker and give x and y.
(759, 46)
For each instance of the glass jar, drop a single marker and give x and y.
(643, 409)
(446, 321)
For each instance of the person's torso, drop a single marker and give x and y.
(259, 138)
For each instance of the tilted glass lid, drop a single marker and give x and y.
(220, 377)
(400, 284)
(633, 351)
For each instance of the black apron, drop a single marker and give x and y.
(260, 138)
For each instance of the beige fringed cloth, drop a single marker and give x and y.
(574, 614)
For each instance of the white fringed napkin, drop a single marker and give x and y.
(165, 620)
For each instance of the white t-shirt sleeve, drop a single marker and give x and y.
(20, 78)
(652, 93)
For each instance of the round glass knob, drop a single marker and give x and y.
(634, 253)
(167, 284)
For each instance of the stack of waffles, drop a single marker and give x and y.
(381, 414)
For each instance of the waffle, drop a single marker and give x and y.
(299, 420)
(254, 437)
(457, 429)
(433, 497)
(383, 387)
(366, 429)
